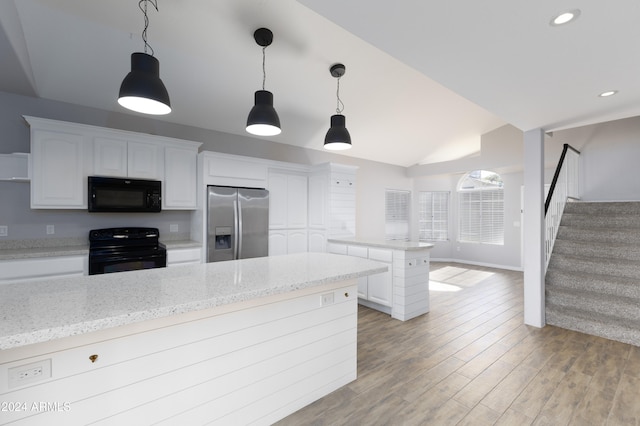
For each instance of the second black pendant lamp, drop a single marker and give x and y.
(142, 90)
(338, 137)
(263, 119)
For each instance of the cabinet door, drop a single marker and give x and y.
(296, 241)
(317, 241)
(277, 242)
(363, 287)
(145, 161)
(380, 288)
(277, 201)
(58, 180)
(318, 201)
(109, 157)
(296, 201)
(179, 186)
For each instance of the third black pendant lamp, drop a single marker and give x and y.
(263, 119)
(142, 90)
(338, 137)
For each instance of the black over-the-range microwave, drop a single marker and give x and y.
(124, 195)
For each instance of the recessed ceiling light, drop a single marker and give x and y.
(608, 93)
(565, 17)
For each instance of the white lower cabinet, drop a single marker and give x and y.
(403, 290)
(377, 288)
(184, 256)
(287, 241)
(44, 267)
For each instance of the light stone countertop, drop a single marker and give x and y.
(33, 249)
(394, 244)
(44, 310)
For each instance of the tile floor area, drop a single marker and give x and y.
(472, 361)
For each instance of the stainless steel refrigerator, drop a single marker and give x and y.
(237, 223)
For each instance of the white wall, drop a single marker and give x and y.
(610, 154)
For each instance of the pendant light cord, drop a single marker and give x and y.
(264, 70)
(340, 105)
(154, 3)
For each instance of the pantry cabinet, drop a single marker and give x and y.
(64, 154)
(288, 194)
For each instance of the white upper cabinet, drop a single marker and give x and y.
(58, 178)
(64, 154)
(123, 158)
(179, 190)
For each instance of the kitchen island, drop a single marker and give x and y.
(403, 290)
(230, 342)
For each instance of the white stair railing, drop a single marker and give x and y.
(564, 186)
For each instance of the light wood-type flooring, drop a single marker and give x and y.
(472, 361)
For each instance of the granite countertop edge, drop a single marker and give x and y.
(393, 245)
(75, 250)
(260, 277)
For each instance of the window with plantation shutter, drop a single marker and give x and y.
(481, 208)
(397, 205)
(433, 216)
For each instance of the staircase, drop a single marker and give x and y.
(593, 277)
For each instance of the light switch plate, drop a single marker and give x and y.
(4, 230)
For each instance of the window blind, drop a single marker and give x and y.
(397, 205)
(433, 216)
(481, 215)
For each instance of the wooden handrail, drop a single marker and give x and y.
(556, 175)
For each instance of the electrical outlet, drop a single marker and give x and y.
(326, 299)
(29, 373)
(173, 227)
(4, 230)
(51, 229)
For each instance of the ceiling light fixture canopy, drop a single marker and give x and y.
(263, 119)
(338, 137)
(142, 90)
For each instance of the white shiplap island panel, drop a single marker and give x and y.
(236, 342)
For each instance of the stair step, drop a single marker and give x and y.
(631, 221)
(613, 208)
(598, 266)
(601, 325)
(614, 286)
(597, 250)
(599, 235)
(594, 302)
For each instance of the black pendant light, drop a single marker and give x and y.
(142, 90)
(263, 119)
(338, 137)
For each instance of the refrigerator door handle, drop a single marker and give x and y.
(236, 229)
(239, 228)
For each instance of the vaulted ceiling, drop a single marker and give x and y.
(424, 78)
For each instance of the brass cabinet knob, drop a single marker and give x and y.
(93, 358)
(346, 295)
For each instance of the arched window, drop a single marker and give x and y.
(481, 208)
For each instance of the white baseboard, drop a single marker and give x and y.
(487, 265)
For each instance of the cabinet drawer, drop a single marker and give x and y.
(358, 251)
(381, 255)
(336, 248)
